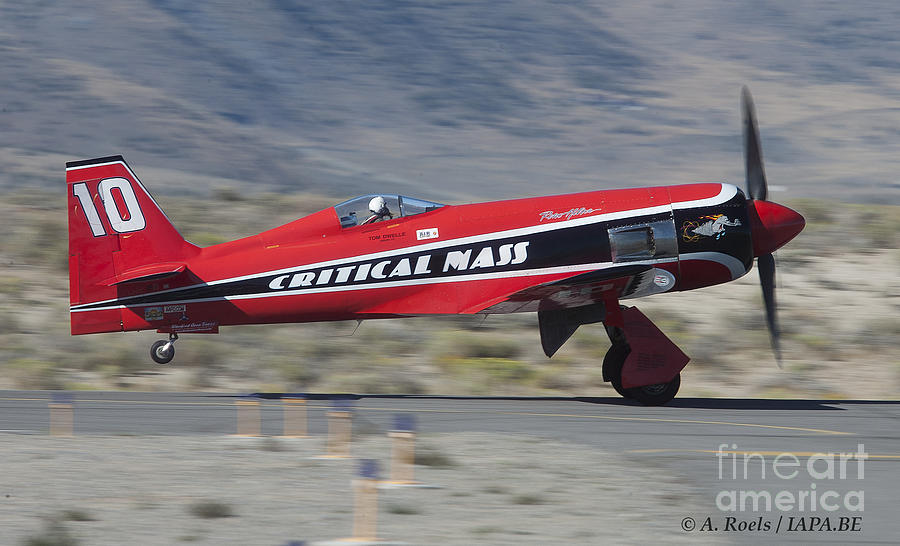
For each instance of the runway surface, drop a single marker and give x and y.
(703, 442)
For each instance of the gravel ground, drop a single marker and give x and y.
(495, 490)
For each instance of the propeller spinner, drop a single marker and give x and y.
(772, 225)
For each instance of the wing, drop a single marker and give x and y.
(564, 305)
(630, 281)
(520, 294)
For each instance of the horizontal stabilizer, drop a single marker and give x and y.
(146, 273)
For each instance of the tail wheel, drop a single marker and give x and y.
(162, 351)
(655, 395)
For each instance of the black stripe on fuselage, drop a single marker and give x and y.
(567, 246)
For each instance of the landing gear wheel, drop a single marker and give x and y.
(162, 351)
(612, 366)
(656, 395)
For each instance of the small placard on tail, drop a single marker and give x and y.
(198, 327)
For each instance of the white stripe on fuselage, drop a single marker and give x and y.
(735, 266)
(726, 193)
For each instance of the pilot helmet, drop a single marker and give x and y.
(377, 205)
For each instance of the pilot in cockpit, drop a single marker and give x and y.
(379, 210)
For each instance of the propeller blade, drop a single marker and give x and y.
(756, 175)
(766, 266)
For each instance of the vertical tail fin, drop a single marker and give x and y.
(117, 233)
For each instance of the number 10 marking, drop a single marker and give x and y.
(135, 221)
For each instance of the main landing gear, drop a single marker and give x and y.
(649, 395)
(163, 351)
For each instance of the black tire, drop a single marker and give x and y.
(656, 395)
(159, 354)
(612, 367)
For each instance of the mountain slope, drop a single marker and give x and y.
(452, 100)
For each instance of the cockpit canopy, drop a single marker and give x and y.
(355, 211)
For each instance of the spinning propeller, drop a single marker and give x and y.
(772, 224)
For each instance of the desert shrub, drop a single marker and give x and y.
(488, 373)
(394, 338)
(111, 359)
(54, 533)
(673, 321)
(433, 458)
(208, 238)
(555, 377)
(590, 340)
(486, 530)
(44, 242)
(473, 345)
(488, 346)
(296, 372)
(710, 350)
(882, 332)
(381, 381)
(879, 226)
(12, 286)
(321, 349)
(815, 211)
(32, 373)
(201, 352)
(528, 499)
(289, 207)
(76, 514)
(9, 322)
(403, 509)
(208, 509)
(227, 194)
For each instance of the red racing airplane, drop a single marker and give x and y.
(570, 258)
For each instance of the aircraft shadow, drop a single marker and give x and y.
(693, 403)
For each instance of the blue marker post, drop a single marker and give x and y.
(365, 513)
(61, 414)
(403, 452)
(340, 427)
